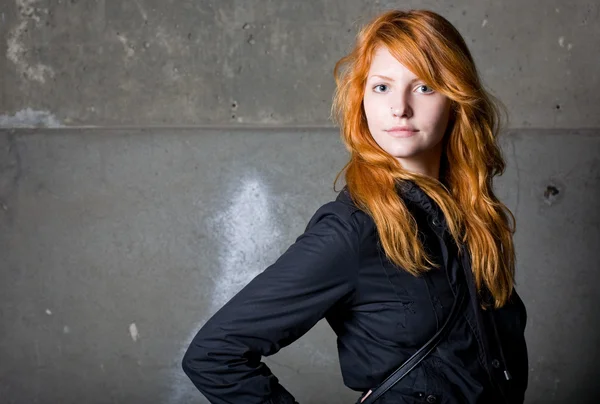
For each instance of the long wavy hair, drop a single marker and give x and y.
(432, 48)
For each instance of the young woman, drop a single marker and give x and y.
(416, 224)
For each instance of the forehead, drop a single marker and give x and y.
(385, 63)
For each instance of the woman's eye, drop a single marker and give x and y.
(379, 86)
(427, 92)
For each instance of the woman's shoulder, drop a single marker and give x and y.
(342, 209)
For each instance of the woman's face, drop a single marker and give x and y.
(394, 98)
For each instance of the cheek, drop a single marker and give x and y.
(433, 117)
(442, 119)
(441, 113)
(371, 113)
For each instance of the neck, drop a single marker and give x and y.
(426, 163)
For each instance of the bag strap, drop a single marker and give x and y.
(418, 356)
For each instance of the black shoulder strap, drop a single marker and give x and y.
(418, 356)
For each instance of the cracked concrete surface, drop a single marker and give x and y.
(149, 63)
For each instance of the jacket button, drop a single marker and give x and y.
(496, 363)
(431, 399)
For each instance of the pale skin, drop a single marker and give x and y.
(395, 96)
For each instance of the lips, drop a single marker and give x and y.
(402, 131)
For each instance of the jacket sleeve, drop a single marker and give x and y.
(512, 320)
(276, 308)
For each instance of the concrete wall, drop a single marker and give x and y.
(117, 242)
(144, 62)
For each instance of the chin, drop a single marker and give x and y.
(402, 154)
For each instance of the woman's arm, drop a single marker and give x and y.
(277, 307)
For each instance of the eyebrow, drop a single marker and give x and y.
(391, 79)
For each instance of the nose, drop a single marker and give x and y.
(401, 110)
(400, 107)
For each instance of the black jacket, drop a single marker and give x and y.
(337, 270)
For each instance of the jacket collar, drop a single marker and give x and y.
(410, 191)
(412, 195)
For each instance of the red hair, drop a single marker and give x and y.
(433, 49)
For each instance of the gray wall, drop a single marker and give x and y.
(117, 242)
(264, 62)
